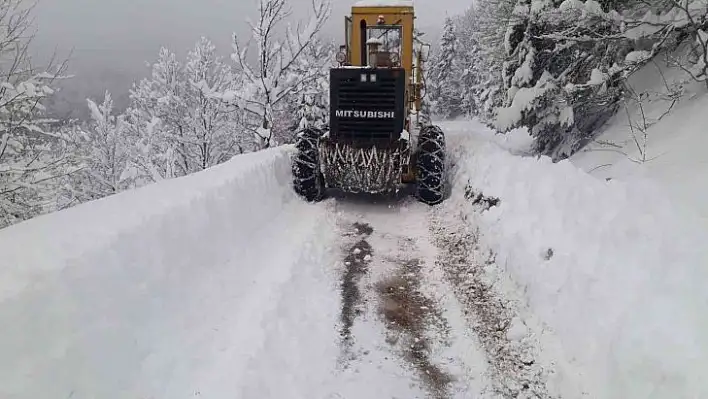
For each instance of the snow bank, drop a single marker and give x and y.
(166, 291)
(58, 240)
(674, 146)
(615, 269)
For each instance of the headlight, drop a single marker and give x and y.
(341, 57)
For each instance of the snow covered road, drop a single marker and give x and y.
(530, 281)
(228, 285)
(404, 335)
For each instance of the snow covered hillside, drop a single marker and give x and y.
(660, 138)
(533, 280)
(612, 271)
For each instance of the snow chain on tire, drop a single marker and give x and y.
(430, 166)
(307, 177)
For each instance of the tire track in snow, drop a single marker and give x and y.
(511, 351)
(409, 314)
(395, 326)
(355, 263)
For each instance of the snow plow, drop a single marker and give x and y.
(379, 138)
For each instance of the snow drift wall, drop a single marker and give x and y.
(615, 269)
(156, 292)
(169, 217)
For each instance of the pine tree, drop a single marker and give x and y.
(309, 104)
(444, 75)
(312, 108)
(548, 77)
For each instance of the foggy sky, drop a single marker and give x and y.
(113, 39)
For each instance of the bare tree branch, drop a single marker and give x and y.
(269, 80)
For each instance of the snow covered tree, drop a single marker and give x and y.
(562, 77)
(309, 106)
(179, 117)
(444, 89)
(480, 77)
(313, 101)
(102, 150)
(274, 78)
(31, 157)
(155, 115)
(489, 20)
(312, 109)
(464, 76)
(214, 134)
(678, 28)
(558, 67)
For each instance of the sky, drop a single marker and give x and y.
(112, 40)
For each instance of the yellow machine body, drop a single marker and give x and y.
(400, 15)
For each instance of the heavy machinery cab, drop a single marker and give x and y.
(371, 89)
(388, 29)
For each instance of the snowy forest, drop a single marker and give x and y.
(557, 68)
(188, 115)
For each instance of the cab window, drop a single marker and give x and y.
(388, 38)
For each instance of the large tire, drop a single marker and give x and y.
(308, 181)
(430, 166)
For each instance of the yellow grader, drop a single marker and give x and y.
(379, 138)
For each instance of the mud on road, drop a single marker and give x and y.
(410, 323)
(355, 262)
(409, 314)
